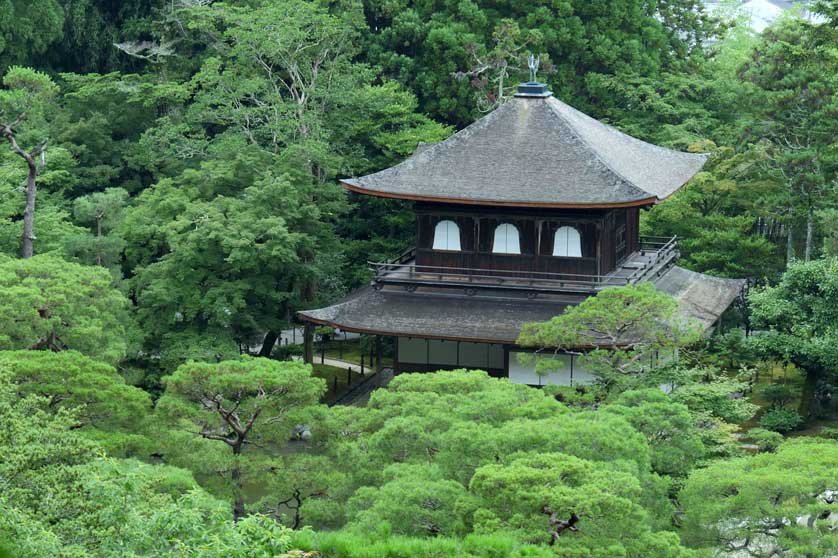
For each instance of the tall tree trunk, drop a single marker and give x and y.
(789, 241)
(808, 403)
(810, 229)
(268, 344)
(27, 246)
(236, 477)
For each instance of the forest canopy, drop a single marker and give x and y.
(169, 201)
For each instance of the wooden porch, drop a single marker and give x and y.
(654, 257)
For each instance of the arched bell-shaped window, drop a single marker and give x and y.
(447, 236)
(506, 240)
(567, 243)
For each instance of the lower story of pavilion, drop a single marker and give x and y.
(442, 331)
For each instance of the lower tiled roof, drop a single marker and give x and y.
(495, 319)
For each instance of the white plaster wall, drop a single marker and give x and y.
(443, 352)
(475, 355)
(413, 350)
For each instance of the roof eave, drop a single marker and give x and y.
(354, 187)
(337, 325)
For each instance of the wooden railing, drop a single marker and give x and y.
(402, 270)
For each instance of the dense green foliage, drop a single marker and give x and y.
(800, 316)
(780, 501)
(48, 303)
(240, 406)
(186, 161)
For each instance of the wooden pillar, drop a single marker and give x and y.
(372, 354)
(308, 343)
(377, 353)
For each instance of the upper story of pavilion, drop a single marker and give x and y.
(535, 196)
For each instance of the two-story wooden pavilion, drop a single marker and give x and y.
(528, 210)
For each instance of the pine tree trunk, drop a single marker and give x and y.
(27, 248)
(810, 230)
(789, 241)
(236, 477)
(268, 344)
(808, 404)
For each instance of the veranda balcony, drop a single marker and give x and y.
(654, 257)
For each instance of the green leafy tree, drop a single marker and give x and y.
(569, 503)
(27, 29)
(27, 92)
(104, 406)
(674, 439)
(50, 304)
(794, 71)
(423, 45)
(776, 503)
(102, 211)
(130, 509)
(414, 500)
(256, 254)
(626, 326)
(261, 127)
(715, 216)
(92, 29)
(436, 430)
(799, 317)
(297, 483)
(53, 225)
(238, 406)
(717, 397)
(61, 498)
(37, 444)
(494, 71)
(103, 120)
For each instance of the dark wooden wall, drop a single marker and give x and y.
(536, 229)
(633, 229)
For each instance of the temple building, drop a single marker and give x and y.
(527, 211)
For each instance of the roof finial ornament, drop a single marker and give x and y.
(533, 65)
(533, 88)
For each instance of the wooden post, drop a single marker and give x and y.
(372, 355)
(362, 363)
(348, 375)
(308, 342)
(378, 352)
(396, 355)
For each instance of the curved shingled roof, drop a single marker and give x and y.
(536, 152)
(497, 320)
